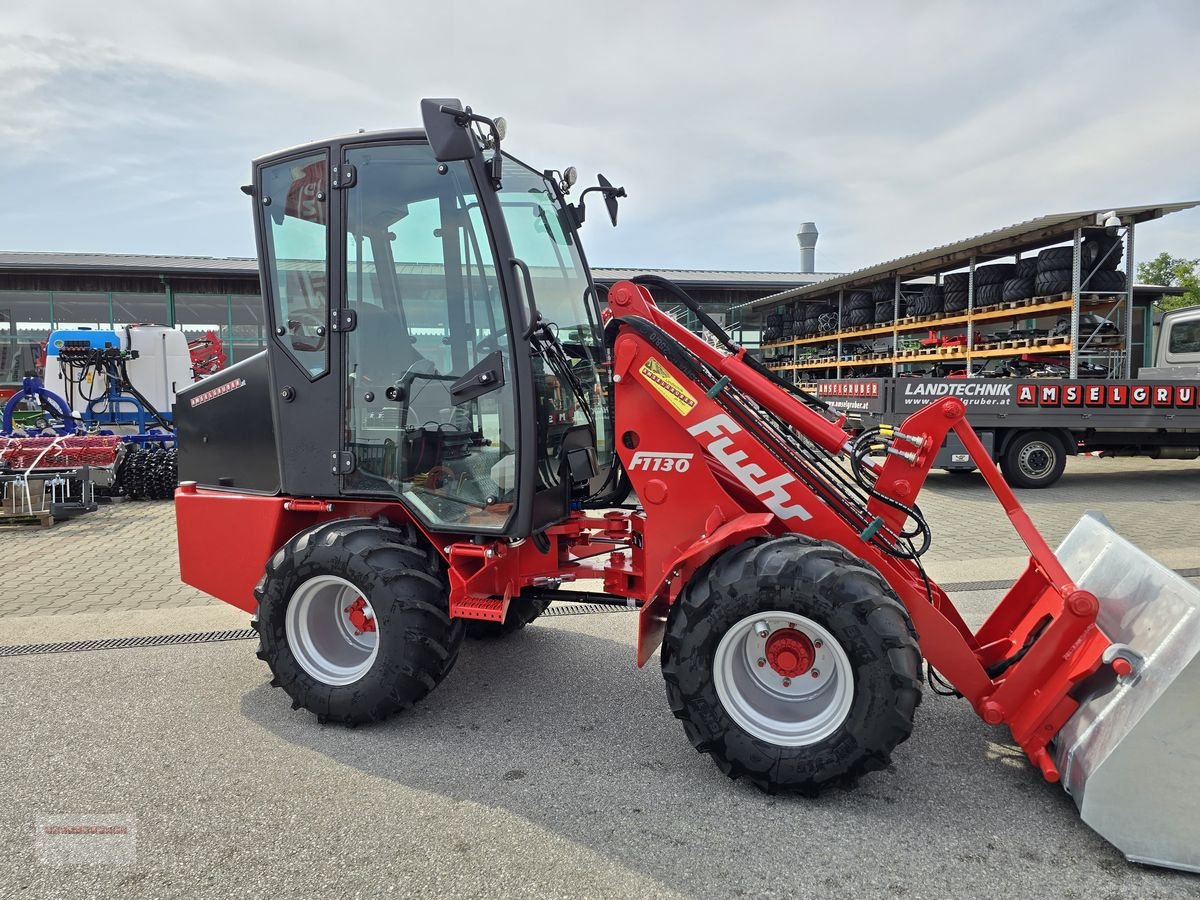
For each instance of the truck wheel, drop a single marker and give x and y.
(521, 611)
(792, 663)
(1033, 459)
(353, 620)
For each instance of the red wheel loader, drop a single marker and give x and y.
(448, 420)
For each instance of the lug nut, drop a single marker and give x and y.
(817, 645)
(762, 629)
(761, 662)
(787, 682)
(816, 673)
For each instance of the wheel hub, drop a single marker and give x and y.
(360, 617)
(783, 678)
(790, 652)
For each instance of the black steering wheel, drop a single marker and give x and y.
(307, 330)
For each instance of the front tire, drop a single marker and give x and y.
(824, 697)
(353, 620)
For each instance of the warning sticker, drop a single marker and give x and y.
(668, 385)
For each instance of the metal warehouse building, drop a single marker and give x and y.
(42, 291)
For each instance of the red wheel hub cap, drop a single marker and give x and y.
(790, 652)
(358, 616)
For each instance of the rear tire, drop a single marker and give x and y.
(313, 644)
(1034, 459)
(820, 729)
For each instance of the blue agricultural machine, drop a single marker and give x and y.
(100, 415)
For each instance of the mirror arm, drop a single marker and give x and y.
(463, 118)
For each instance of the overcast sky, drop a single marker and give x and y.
(128, 126)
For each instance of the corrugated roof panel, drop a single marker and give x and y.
(1001, 242)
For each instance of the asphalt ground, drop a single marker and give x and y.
(546, 765)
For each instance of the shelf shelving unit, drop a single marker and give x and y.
(1077, 344)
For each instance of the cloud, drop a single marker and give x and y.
(895, 126)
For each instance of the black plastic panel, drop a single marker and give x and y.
(225, 430)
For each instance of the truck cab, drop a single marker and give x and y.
(1177, 347)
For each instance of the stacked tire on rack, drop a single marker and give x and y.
(954, 292)
(990, 281)
(819, 318)
(858, 309)
(930, 302)
(1099, 258)
(1021, 286)
(884, 296)
(773, 328)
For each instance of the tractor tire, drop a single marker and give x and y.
(1052, 281)
(1033, 459)
(521, 611)
(1026, 268)
(1106, 250)
(932, 300)
(309, 638)
(1059, 258)
(1018, 288)
(883, 290)
(989, 294)
(859, 316)
(750, 719)
(997, 273)
(956, 282)
(954, 301)
(1106, 281)
(885, 311)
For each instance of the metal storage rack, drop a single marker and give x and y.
(840, 350)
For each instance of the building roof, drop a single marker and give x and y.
(127, 263)
(144, 264)
(1029, 235)
(717, 278)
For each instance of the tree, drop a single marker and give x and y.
(1173, 271)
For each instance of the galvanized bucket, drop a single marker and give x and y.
(1130, 756)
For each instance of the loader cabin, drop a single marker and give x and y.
(402, 284)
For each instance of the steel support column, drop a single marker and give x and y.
(838, 368)
(896, 327)
(1129, 280)
(970, 314)
(1076, 277)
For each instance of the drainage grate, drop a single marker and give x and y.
(207, 637)
(154, 640)
(585, 609)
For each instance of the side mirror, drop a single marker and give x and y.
(445, 121)
(579, 210)
(610, 197)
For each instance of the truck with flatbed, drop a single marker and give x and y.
(1031, 425)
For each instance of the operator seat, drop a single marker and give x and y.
(383, 354)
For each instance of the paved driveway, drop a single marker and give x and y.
(545, 765)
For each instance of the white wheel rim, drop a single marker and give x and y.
(787, 712)
(322, 633)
